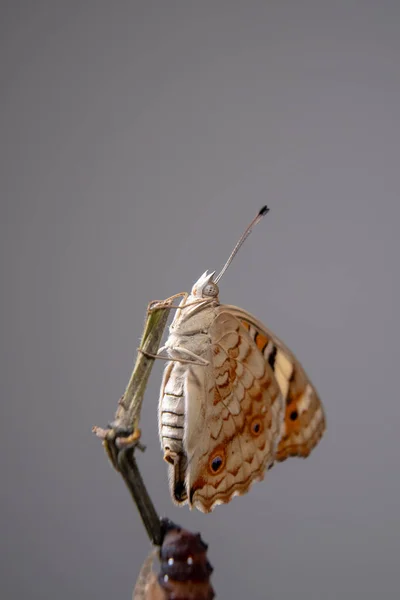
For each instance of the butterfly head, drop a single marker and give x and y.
(205, 287)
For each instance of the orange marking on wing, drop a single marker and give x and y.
(253, 427)
(298, 439)
(261, 341)
(233, 352)
(217, 396)
(303, 425)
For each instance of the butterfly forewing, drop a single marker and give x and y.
(304, 422)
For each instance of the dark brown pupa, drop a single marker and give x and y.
(184, 572)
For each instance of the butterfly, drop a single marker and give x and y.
(234, 399)
(184, 569)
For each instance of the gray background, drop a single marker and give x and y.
(137, 140)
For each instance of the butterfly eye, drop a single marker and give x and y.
(210, 290)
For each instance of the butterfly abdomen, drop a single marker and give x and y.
(172, 409)
(185, 571)
(172, 421)
(171, 428)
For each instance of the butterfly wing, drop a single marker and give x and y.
(304, 422)
(242, 419)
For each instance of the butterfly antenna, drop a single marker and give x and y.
(245, 234)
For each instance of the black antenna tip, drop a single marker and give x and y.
(263, 211)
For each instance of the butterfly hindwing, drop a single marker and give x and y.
(243, 419)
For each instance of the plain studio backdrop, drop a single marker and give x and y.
(138, 139)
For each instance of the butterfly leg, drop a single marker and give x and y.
(198, 359)
(156, 304)
(201, 301)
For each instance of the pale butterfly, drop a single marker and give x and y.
(184, 571)
(234, 399)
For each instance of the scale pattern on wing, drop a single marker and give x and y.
(304, 421)
(244, 418)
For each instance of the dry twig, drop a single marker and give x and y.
(122, 437)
